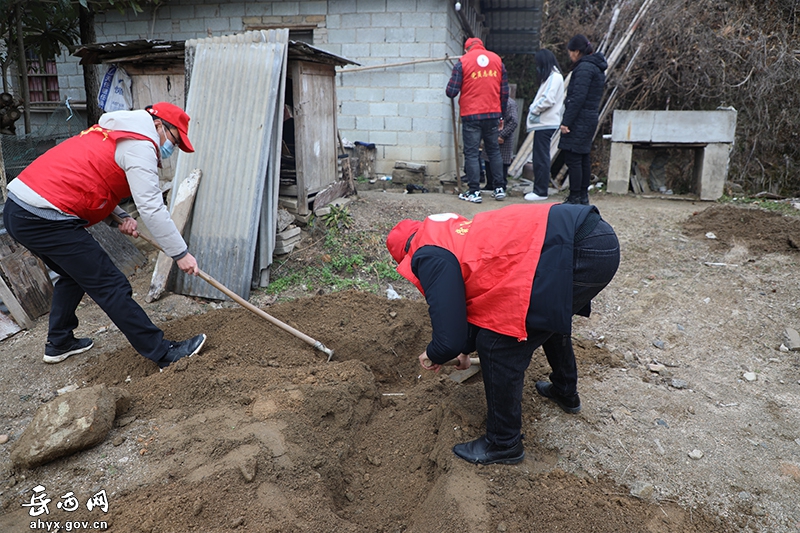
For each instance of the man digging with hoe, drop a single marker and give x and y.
(79, 183)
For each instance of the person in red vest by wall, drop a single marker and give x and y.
(503, 284)
(80, 182)
(480, 77)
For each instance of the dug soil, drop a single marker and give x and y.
(690, 420)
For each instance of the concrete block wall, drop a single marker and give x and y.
(403, 110)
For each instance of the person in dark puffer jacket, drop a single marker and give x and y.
(581, 112)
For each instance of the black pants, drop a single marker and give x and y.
(541, 161)
(504, 360)
(580, 172)
(83, 268)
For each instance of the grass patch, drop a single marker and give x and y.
(783, 207)
(342, 259)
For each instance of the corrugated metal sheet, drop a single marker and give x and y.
(235, 93)
(513, 25)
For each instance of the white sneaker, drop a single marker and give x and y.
(474, 197)
(499, 194)
(533, 197)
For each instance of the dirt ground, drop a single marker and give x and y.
(260, 433)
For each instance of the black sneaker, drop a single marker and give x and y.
(53, 354)
(482, 452)
(569, 404)
(179, 350)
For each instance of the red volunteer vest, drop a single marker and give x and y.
(80, 176)
(498, 252)
(480, 87)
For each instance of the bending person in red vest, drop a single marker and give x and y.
(480, 77)
(504, 284)
(80, 182)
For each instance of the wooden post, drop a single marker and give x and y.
(455, 144)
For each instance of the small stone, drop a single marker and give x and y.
(792, 339)
(236, 522)
(750, 376)
(696, 454)
(350, 496)
(783, 348)
(661, 422)
(197, 507)
(118, 440)
(659, 449)
(656, 367)
(374, 460)
(710, 235)
(501, 527)
(678, 383)
(3, 439)
(642, 490)
(393, 314)
(658, 343)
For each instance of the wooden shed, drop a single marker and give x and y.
(309, 159)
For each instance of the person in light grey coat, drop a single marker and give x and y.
(544, 118)
(581, 114)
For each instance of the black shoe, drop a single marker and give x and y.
(569, 404)
(481, 452)
(53, 354)
(179, 350)
(574, 198)
(585, 198)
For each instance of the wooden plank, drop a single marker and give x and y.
(25, 287)
(8, 327)
(180, 211)
(336, 190)
(123, 253)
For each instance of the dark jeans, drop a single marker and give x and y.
(541, 160)
(504, 359)
(580, 172)
(473, 131)
(83, 268)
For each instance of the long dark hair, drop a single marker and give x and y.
(580, 44)
(545, 63)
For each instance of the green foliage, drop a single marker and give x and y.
(338, 217)
(343, 260)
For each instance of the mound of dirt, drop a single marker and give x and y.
(260, 433)
(760, 231)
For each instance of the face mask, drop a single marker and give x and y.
(166, 149)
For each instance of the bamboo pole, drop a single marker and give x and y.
(402, 64)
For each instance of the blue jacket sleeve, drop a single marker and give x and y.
(440, 275)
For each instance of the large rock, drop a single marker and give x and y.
(69, 423)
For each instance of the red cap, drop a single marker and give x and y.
(177, 117)
(472, 41)
(398, 238)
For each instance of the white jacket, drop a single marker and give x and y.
(548, 106)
